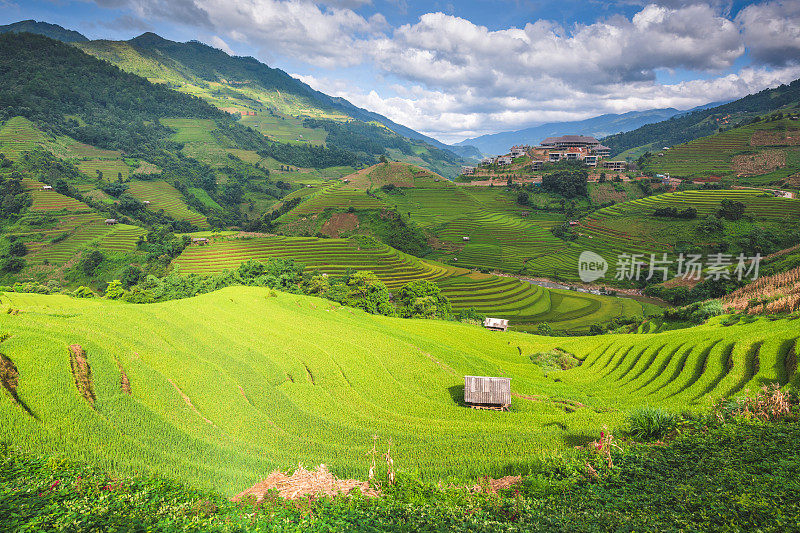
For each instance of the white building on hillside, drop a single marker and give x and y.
(504, 160)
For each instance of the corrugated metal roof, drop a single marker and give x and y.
(486, 390)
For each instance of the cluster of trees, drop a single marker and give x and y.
(13, 199)
(360, 289)
(311, 156)
(12, 259)
(360, 137)
(731, 210)
(690, 213)
(567, 183)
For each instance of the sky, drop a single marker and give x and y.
(456, 69)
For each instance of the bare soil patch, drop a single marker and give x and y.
(81, 372)
(339, 223)
(760, 163)
(9, 378)
(775, 138)
(124, 382)
(491, 486)
(190, 404)
(303, 483)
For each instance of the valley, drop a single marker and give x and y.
(214, 276)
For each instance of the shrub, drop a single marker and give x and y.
(83, 292)
(650, 423)
(555, 360)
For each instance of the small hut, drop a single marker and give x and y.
(482, 392)
(47, 187)
(201, 241)
(146, 202)
(496, 324)
(465, 238)
(111, 221)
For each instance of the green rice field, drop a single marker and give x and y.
(228, 386)
(162, 195)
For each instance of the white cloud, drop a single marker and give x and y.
(452, 116)
(217, 42)
(772, 31)
(445, 51)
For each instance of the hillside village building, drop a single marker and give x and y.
(519, 150)
(504, 160)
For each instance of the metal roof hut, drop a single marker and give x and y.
(496, 324)
(482, 392)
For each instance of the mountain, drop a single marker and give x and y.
(499, 143)
(54, 31)
(702, 122)
(243, 83)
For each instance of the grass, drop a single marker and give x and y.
(230, 385)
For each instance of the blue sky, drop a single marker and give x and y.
(460, 69)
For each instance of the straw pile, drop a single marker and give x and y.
(302, 483)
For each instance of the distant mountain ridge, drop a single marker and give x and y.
(54, 31)
(207, 63)
(600, 126)
(216, 62)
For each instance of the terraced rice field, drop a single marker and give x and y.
(630, 228)
(19, 135)
(73, 228)
(111, 168)
(714, 155)
(162, 195)
(506, 297)
(338, 196)
(228, 386)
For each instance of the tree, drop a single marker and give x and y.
(423, 299)
(731, 210)
(544, 329)
(92, 260)
(367, 292)
(383, 160)
(523, 198)
(131, 276)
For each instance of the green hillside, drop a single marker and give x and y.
(766, 152)
(227, 386)
(487, 228)
(689, 126)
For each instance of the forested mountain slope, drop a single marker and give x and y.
(245, 84)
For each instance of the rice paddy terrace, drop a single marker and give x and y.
(507, 297)
(484, 227)
(220, 389)
(630, 227)
(162, 195)
(770, 149)
(58, 227)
